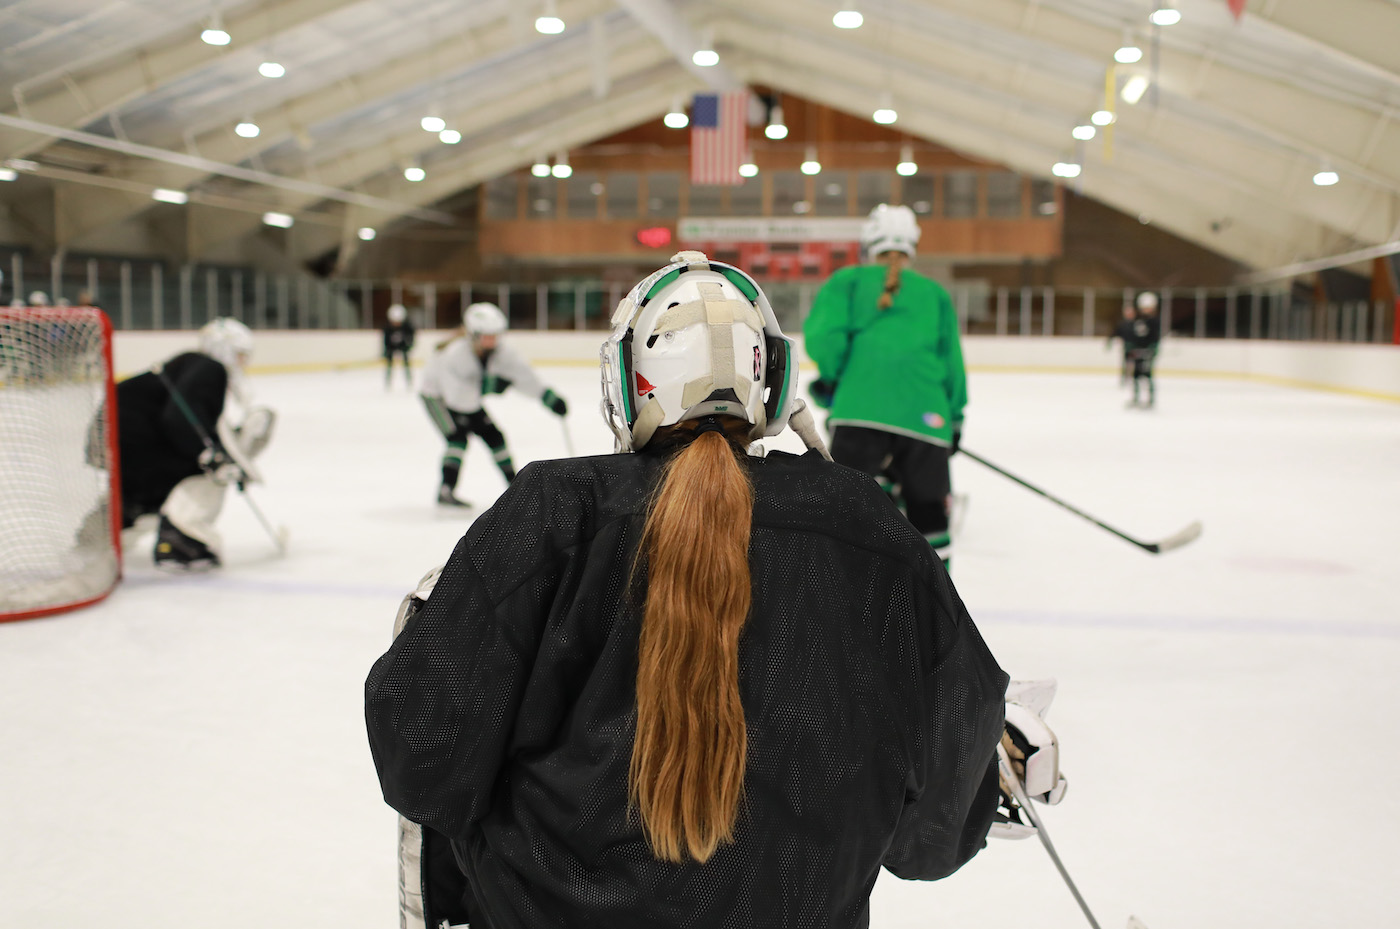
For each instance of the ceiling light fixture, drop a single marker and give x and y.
(247, 129)
(540, 168)
(848, 18)
(748, 169)
(271, 69)
(8, 174)
(906, 166)
(1084, 133)
(450, 136)
(885, 114)
(1134, 89)
(414, 173)
(705, 57)
(214, 33)
(1326, 178)
(1128, 53)
(1165, 15)
(280, 220)
(1103, 118)
(810, 164)
(776, 128)
(433, 123)
(165, 195)
(561, 165)
(549, 23)
(676, 117)
(1066, 169)
(366, 233)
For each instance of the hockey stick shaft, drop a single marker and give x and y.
(568, 439)
(1018, 792)
(1155, 548)
(176, 397)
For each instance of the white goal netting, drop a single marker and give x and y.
(59, 535)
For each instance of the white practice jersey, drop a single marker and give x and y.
(454, 375)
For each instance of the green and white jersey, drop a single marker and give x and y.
(457, 376)
(898, 370)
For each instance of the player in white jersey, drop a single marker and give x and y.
(457, 377)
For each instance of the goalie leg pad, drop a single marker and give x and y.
(194, 505)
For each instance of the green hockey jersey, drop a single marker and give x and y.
(899, 370)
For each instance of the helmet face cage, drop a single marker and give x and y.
(616, 361)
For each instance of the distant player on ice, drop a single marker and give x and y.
(1123, 332)
(1142, 343)
(464, 370)
(179, 447)
(885, 340)
(398, 342)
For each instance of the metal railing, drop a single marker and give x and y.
(141, 294)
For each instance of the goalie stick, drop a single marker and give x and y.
(1018, 793)
(1184, 537)
(279, 533)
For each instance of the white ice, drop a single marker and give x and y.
(191, 752)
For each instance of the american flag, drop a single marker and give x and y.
(1237, 7)
(718, 137)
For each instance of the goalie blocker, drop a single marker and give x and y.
(1034, 756)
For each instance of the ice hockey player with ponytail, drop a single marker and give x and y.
(885, 340)
(465, 369)
(686, 684)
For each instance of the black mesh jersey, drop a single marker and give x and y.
(503, 714)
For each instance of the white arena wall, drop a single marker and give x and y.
(1370, 370)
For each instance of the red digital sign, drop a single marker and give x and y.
(654, 236)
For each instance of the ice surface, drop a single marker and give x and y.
(191, 752)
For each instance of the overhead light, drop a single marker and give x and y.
(561, 165)
(247, 129)
(366, 233)
(450, 136)
(1084, 133)
(433, 123)
(8, 174)
(1128, 53)
(214, 33)
(271, 69)
(810, 164)
(776, 128)
(414, 173)
(885, 115)
(1326, 178)
(1165, 16)
(540, 169)
(1103, 118)
(748, 169)
(170, 196)
(705, 57)
(848, 19)
(549, 22)
(1134, 89)
(906, 166)
(280, 220)
(675, 118)
(1066, 169)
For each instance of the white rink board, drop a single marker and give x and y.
(191, 752)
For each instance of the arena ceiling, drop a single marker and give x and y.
(108, 99)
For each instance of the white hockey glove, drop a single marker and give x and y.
(219, 466)
(1032, 756)
(413, 602)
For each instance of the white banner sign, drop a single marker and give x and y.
(769, 229)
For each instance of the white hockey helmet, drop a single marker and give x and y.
(890, 229)
(484, 319)
(696, 338)
(397, 314)
(1147, 300)
(38, 298)
(227, 341)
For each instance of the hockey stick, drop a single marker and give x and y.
(568, 439)
(1185, 536)
(278, 534)
(1018, 793)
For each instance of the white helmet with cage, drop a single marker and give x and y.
(484, 319)
(1147, 301)
(697, 338)
(228, 342)
(397, 314)
(890, 229)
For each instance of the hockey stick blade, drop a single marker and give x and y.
(1018, 792)
(1185, 537)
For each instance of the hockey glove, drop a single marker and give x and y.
(219, 466)
(957, 442)
(823, 393)
(1031, 747)
(495, 384)
(556, 403)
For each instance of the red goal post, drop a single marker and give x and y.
(60, 480)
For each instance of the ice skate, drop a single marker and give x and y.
(447, 498)
(176, 551)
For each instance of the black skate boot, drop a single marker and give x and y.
(176, 551)
(447, 498)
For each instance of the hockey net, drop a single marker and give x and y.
(60, 499)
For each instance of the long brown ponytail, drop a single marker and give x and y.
(687, 771)
(895, 261)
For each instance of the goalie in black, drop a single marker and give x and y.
(179, 451)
